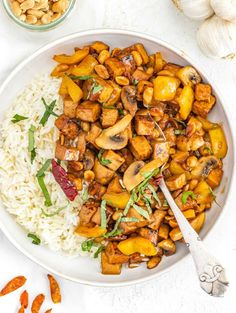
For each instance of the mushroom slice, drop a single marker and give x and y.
(204, 166)
(189, 76)
(128, 98)
(115, 137)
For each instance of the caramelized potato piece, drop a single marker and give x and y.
(137, 244)
(176, 182)
(175, 168)
(117, 200)
(163, 231)
(99, 46)
(142, 51)
(214, 178)
(140, 148)
(218, 142)
(90, 232)
(103, 175)
(158, 62)
(144, 125)
(185, 101)
(165, 88)
(85, 67)
(204, 193)
(88, 111)
(115, 67)
(153, 262)
(109, 117)
(115, 186)
(115, 160)
(107, 268)
(77, 57)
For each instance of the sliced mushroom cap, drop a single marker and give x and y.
(189, 76)
(204, 166)
(115, 137)
(132, 175)
(128, 98)
(88, 160)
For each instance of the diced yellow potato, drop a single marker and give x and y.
(185, 101)
(207, 125)
(78, 56)
(175, 168)
(203, 193)
(85, 67)
(90, 232)
(165, 88)
(218, 142)
(137, 244)
(117, 200)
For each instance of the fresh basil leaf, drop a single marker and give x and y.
(103, 214)
(31, 143)
(187, 194)
(129, 219)
(102, 160)
(43, 187)
(99, 250)
(155, 196)
(141, 211)
(85, 77)
(87, 245)
(96, 88)
(44, 167)
(49, 111)
(52, 214)
(115, 231)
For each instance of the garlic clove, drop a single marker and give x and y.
(225, 9)
(217, 38)
(195, 9)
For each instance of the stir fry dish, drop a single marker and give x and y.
(130, 118)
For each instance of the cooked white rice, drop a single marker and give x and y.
(20, 191)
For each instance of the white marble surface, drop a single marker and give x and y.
(176, 291)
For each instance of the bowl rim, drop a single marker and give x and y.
(110, 31)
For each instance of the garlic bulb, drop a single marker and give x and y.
(225, 9)
(195, 9)
(217, 38)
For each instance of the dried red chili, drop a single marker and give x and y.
(61, 178)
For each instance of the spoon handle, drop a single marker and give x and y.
(211, 273)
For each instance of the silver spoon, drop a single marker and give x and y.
(210, 272)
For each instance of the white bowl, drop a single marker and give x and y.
(86, 270)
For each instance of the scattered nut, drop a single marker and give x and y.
(46, 19)
(22, 17)
(36, 13)
(60, 6)
(15, 6)
(26, 5)
(31, 19)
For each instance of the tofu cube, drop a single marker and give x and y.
(140, 148)
(70, 107)
(115, 159)
(202, 108)
(109, 117)
(144, 125)
(94, 132)
(103, 175)
(64, 153)
(203, 92)
(88, 111)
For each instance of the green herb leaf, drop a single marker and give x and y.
(49, 111)
(52, 214)
(109, 107)
(96, 88)
(129, 219)
(180, 132)
(87, 245)
(102, 160)
(99, 250)
(187, 194)
(43, 187)
(131, 201)
(165, 203)
(85, 77)
(115, 231)
(141, 211)
(155, 196)
(180, 122)
(85, 195)
(103, 214)
(31, 143)
(121, 111)
(44, 167)
(35, 240)
(135, 82)
(17, 118)
(148, 201)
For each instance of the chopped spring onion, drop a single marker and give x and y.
(35, 240)
(87, 245)
(52, 214)
(155, 196)
(129, 219)
(43, 187)
(17, 118)
(141, 211)
(85, 77)
(103, 214)
(31, 143)
(99, 250)
(49, 111)
(44, 167)
(148, 204)
(187, 194)
(131, 201)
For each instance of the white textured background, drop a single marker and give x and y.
(176, 291)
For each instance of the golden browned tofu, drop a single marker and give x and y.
(157, 217)
(109, 117)
(161, 151)
(214, 178)
(115, 67)
(114, 159)
(170, 136)
(68, 128)
(88, 111)
(115, 186)
(107, 268)
(87, 211)
(203, 92)
(176, 182)
(94, 132)
(96, 190)
(144, 125)
(64, 153)
(140, 148)
(202, 108)
(140, 75)
(114, 255)
(103, 175)
(69, 107)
